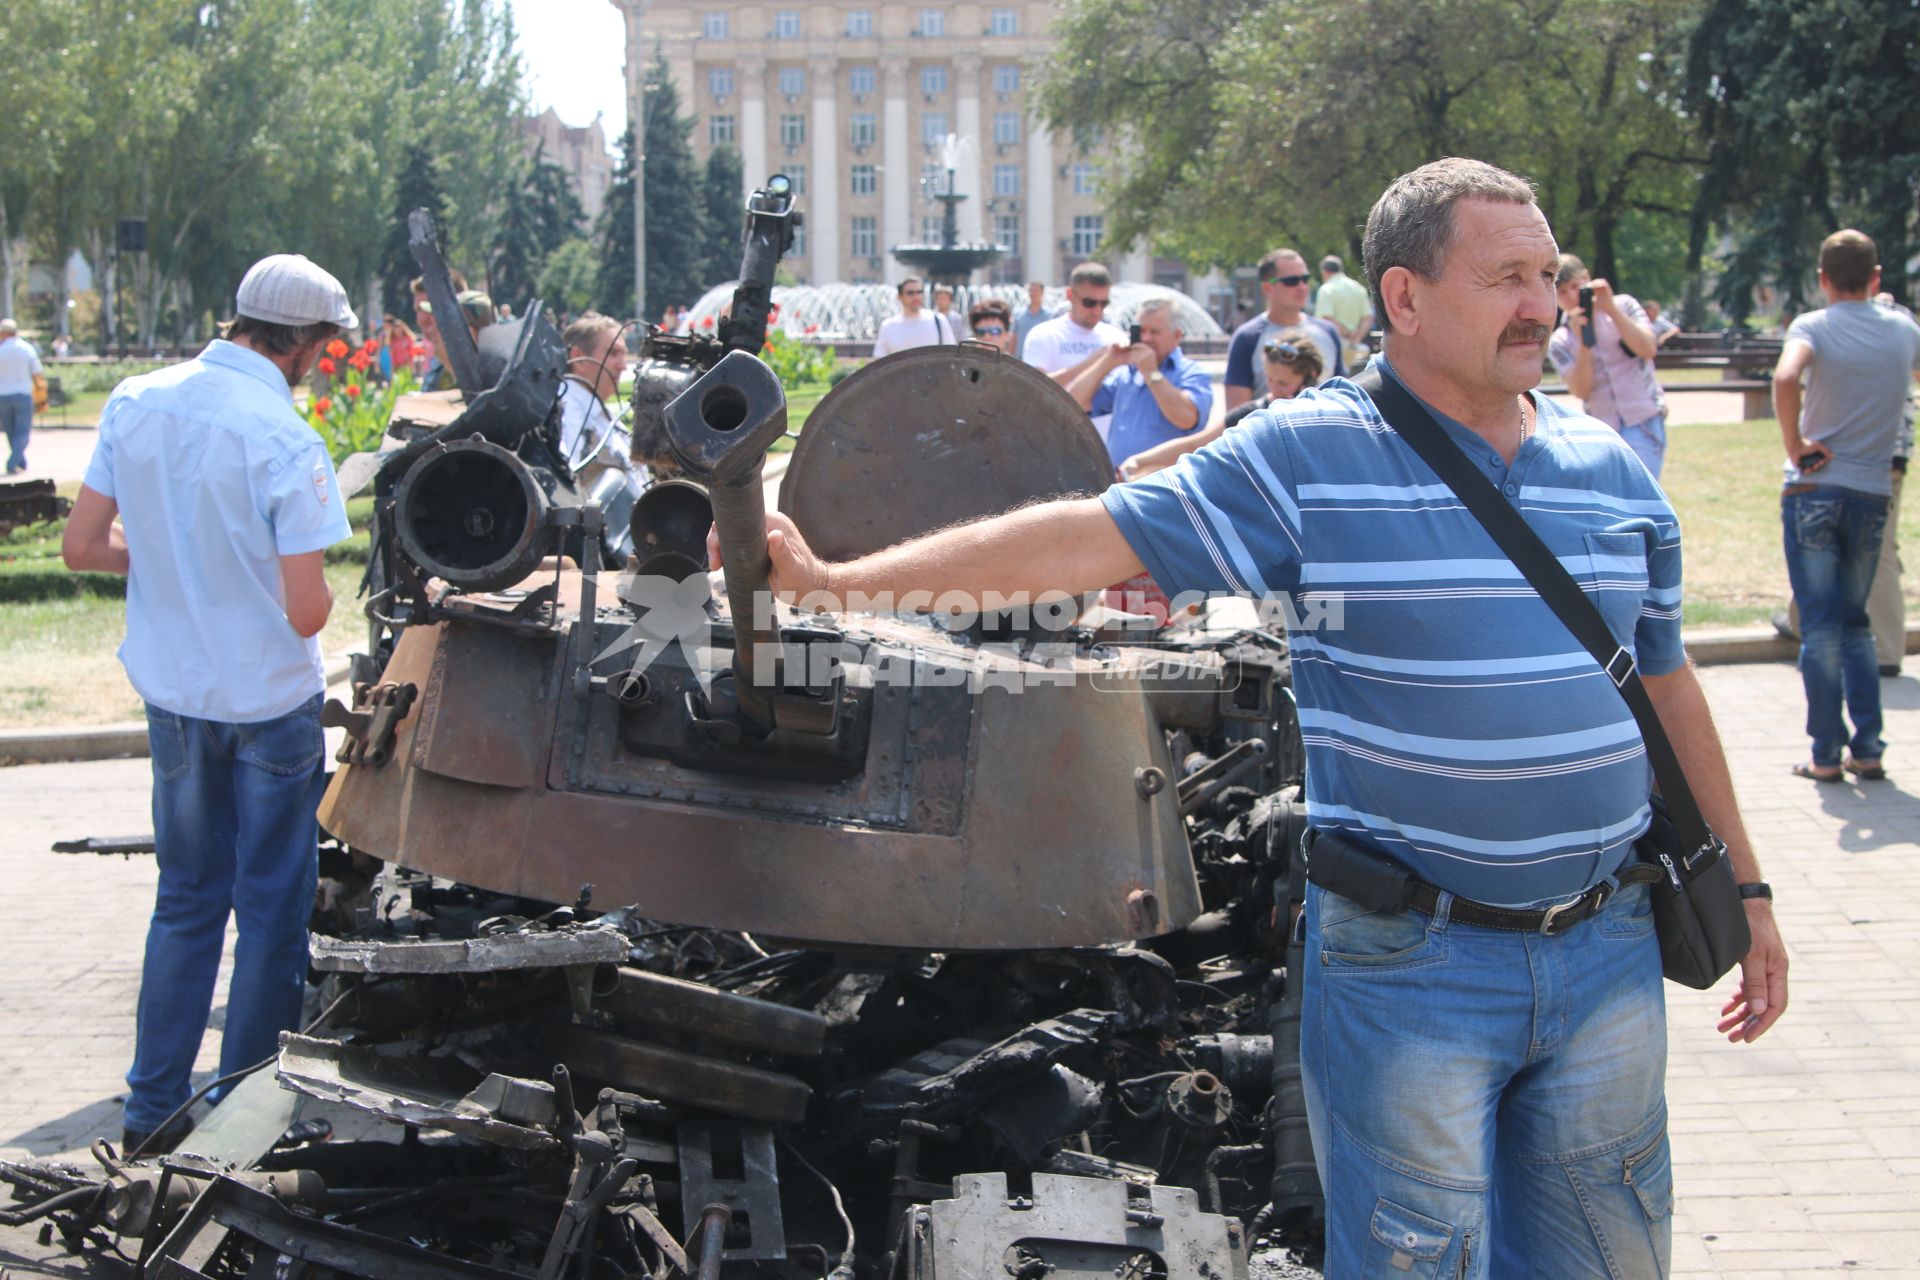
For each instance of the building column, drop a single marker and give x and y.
(1042, 257)
(750, 76)
(1137, 266)
(898, 177)
(972, 180)
(823, 180)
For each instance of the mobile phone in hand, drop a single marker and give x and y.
(1812, 460)
(1133, 334)
(1586, 309)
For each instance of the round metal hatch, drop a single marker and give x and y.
(931, 437)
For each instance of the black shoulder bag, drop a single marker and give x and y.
(1697, 910)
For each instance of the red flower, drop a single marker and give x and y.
(370, 347)
(813, 328)
(707, 323)
(323, 406)
(337, 348)
(358, 360)
(327, 366)
(353, 391)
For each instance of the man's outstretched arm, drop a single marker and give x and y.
(1070, 545)
(1684, 714)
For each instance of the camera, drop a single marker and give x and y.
(1133, 334)
(1586, 309)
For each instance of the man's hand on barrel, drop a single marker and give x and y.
(793, 570)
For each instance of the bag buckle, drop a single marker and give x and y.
(1620, 667)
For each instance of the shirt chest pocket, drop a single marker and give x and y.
(1618, 583)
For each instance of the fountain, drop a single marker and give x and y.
(950, 262)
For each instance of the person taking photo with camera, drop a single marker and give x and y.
(1604, 351)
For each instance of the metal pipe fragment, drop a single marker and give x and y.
(714, 1221)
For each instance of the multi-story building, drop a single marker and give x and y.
(853, 99)
(581, 151)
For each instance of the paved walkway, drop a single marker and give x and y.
(1798, 1156)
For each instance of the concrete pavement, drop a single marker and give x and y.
(1799, 1156)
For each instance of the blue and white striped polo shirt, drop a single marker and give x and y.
(1450, 719)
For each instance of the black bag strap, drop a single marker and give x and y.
(1543, 570)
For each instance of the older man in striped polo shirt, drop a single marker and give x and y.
(1481, 1099)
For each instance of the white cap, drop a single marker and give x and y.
(288, 289)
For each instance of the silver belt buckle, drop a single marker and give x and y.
(1554, 912)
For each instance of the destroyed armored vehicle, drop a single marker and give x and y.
(668, 932)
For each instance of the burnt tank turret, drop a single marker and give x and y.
(666, 932)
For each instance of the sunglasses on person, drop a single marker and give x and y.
(1092, 304)
(989, 330)
(1289, 281)
(910, 293)
(1281, 351)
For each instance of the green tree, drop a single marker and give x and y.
(613, 236)
(569, 277)
(676, 202)
(417, 187)
(1807, 106)
(1226, 128)
(725, 181)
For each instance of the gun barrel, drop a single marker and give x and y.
(720, 429)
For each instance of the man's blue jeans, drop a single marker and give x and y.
(1832, 537)
(1486, 1102)
(1648, 440)
(234, 827)
(16, 417)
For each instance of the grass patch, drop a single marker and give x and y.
(1724, 481)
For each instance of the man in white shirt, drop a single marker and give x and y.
(19, 362)
(1066, 345)
(913, 327)
(592, 441)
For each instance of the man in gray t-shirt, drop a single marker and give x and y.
(1858, 360)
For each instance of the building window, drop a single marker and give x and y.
(859, 22)
(786, 24)
(860, 79)
(866, 240)
(933, 180)
(720, 81)
(797, 175)
(933, 128)
(931, 228)
(793, 129)
(1004, 22)
(933, 22)
(714, 26)
(1086, 179)
(1006, 78)
(793, 81)
(1087, 230)
(933, 80)
(719, 130)
(1006, 127)
(1006, 230)
(863, 180)
(1006, 179)
(861, 129)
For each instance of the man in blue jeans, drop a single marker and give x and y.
(1858, 360)
(1485, 1074)
(226, 502)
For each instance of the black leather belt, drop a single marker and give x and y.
(1372, 879)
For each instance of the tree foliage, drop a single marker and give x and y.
(243, 127)
(725, 181)
(1808, 107)
(677, 234)
(1229, 127)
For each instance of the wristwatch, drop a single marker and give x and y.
(1156, 376)
(1758, 889)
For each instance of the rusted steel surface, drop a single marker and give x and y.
(933, 437)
